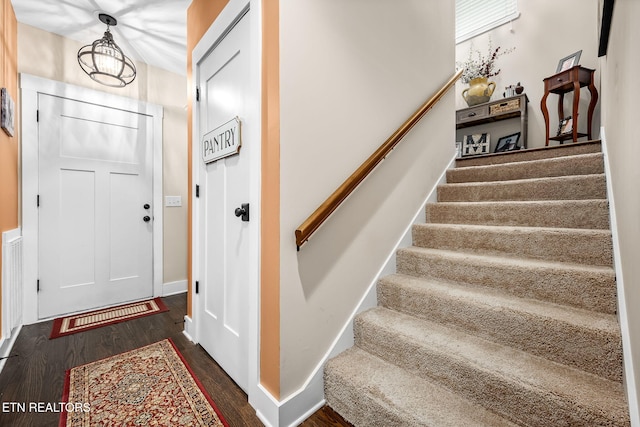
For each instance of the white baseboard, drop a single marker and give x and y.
(7, 344)
(630, 382)
(188, 329)
(173, 288)
(310, 397)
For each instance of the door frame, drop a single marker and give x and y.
(251, 134)
(30, 87)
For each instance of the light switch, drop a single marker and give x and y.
(173, 201)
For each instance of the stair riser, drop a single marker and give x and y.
(582, 188)
(594, 351)
(584, 247)
(503, 396)
(565, 166)
(587, 214)
(531, 155)
(579, 288)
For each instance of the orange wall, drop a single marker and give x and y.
(9, 145)
(270, 213)
(200, 16)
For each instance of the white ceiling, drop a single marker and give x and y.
(150, 31)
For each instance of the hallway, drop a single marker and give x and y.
(36, 368)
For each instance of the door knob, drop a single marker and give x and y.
(146, 206)
(243, 211)
(146, 218)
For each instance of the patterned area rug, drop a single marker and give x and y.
(149, 386)
(98, 318)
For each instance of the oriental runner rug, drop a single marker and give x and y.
(98, 318)
(152, 385)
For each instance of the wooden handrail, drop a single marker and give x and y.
(317, 218)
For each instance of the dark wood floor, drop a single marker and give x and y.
(36, 372)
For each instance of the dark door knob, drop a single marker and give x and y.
(146, 218)
(243, 211)
(146, 206)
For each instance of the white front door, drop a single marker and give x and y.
(222, 316)
(95, 215)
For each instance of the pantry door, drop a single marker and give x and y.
(223, 232)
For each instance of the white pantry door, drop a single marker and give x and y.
(95, 224)
(223, 301)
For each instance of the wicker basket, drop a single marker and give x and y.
(504, 107)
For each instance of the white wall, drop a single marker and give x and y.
(351, 73)
(51, 56)
(619, 98)
(545, 32)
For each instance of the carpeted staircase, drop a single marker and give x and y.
(503, 312)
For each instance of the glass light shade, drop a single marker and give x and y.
(105, 63)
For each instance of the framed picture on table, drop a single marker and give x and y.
(473, 145)
(508, 143)
(569, 61)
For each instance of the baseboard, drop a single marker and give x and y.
(629, 372)
(173, 288)
(310, 397)
(188, 329)
(6, 345)
(290, 412)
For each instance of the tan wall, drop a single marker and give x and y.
(9, 163)
(53, 57)
(545, 32)
(619, 98)
(350, 74)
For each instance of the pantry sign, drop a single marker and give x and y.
(223, 141)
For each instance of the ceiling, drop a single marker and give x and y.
(149, 31)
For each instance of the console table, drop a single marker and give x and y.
(570, 80)
(507, 108)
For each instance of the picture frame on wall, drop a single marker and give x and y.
(7, 107)
(508, 143)
(569, 61)
(473, 145)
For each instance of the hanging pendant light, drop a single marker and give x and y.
(104, 61)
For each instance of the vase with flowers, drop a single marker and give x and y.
(477, 70)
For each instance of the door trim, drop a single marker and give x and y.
(30, 87)
(230, 15)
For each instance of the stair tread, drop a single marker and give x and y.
(516, 261)
(509, 364)
(516, 228)
(524, 163)
(522, 181)
(494, 299)
(527, 202)
(419, 401)
(548, 152)
(584, 213)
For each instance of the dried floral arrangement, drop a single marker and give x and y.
(478, 65)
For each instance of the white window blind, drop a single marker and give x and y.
(474, 17)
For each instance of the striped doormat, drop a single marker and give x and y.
(98, 318)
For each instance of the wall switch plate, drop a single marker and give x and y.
(173, 201)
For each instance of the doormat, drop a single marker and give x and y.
(152, 385)
(98, 318)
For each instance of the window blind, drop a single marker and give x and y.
(474, 17)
